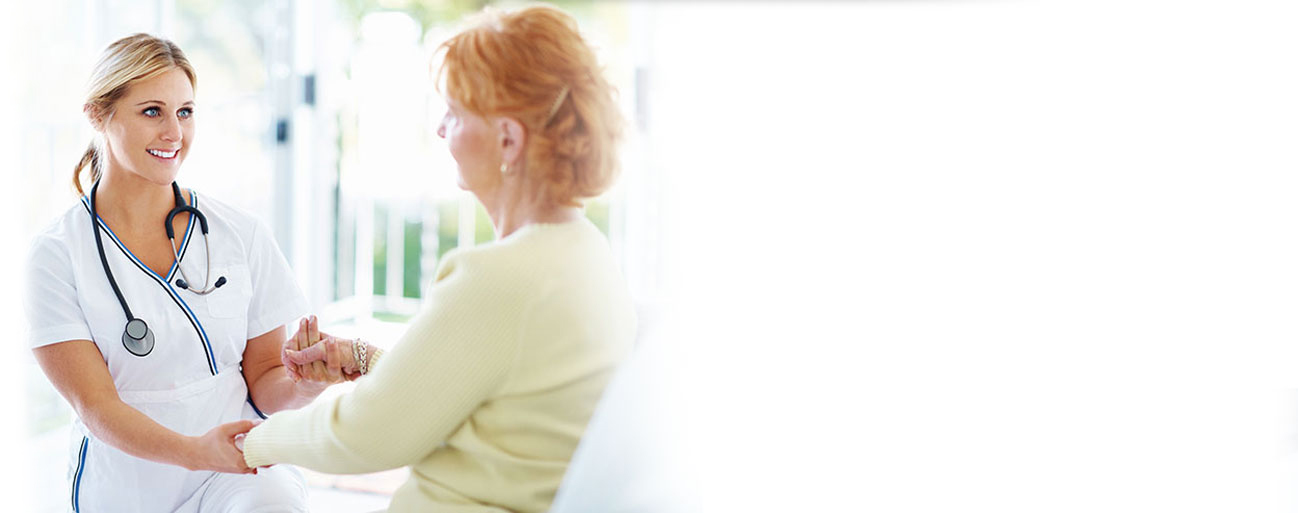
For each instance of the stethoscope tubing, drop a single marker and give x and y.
(136, 335)
(103, 259)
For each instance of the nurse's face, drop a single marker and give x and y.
(474, 144)
(152, 127)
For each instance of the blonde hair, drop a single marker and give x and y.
(534, 66)
(127, 60)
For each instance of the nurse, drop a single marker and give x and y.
(159, 313)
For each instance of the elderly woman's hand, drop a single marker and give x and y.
(312, 371)
(336, 353)
(310, 348)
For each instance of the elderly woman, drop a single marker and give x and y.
(487, 394)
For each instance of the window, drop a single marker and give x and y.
(318, 118)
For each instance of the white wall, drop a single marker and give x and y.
(953, 256)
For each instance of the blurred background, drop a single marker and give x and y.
(888, 256)
(320, 118)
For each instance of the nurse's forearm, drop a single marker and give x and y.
(274, 391)
(134, 433)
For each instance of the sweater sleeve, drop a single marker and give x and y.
(457, 352)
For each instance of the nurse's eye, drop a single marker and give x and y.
(152, 112)
(185, 113)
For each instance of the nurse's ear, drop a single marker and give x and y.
(97, 116)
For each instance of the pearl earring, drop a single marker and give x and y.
(504, 168)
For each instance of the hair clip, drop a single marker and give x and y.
(557, 101)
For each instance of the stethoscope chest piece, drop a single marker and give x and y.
(137, 337)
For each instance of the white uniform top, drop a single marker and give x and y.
(191, 381)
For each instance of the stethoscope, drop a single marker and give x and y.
(137, 337)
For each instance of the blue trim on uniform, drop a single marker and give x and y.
(184, 242)
(175, 296)
(76, 482)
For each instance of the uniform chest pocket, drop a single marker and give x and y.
(230, 300)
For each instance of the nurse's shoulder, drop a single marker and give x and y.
(60, 234)
(51, 293)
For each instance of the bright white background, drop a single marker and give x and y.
(953, 256)
(1046, 254)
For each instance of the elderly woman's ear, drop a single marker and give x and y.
(512, 140)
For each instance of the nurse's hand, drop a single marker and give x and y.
(215, 450)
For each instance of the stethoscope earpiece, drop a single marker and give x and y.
(137, 337)
(184, 285)
(182, 282)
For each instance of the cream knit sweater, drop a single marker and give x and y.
(487, 394)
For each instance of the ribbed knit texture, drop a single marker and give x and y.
(487, 394)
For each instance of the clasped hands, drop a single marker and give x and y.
(313, 360)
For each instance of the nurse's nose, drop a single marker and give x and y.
(171, 129)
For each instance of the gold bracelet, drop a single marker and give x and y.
(356, 353)
(363, 364)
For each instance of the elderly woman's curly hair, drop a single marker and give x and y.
(533, 65)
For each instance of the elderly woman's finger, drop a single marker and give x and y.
(304, 342)
(299, 336)
(333, 360)
(318, 371)
(311, 354)
(312, 329)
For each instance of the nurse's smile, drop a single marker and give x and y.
(151, 127)
(162, 376)
(163, 154)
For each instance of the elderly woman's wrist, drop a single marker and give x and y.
(365, 355)
(375, 353)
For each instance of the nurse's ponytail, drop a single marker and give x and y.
(135, 57)
(90, 158)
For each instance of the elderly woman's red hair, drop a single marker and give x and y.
(533, 65)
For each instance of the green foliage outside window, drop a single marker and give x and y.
(380, 250)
